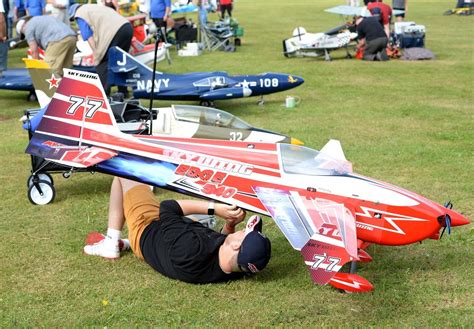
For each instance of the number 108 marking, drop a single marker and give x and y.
(269, 82)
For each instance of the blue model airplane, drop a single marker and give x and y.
(205, 87)
(18, 80)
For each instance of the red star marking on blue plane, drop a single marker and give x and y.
(53, 82)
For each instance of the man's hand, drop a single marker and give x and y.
(232, 215)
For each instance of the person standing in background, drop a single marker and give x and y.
(35, 7)
(400, 5)
(3, 39)
(11, 6)
(160, 11)
(19, 11)
(225, 5)
(60, 11)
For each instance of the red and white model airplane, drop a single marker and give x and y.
(326, 211)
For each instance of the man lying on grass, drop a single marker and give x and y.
(175, 245)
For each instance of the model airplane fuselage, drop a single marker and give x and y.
(202, 86)
(324, 209)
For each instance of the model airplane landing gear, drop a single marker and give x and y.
(207, 103)
(41, 192)
(351, 282)
(31, 97)
(327, 58)
(39, 176)
(261, 101)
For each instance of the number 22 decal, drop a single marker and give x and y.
(92, 106)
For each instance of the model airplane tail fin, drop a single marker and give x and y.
(124, 70)
(77, 115)
(44, 80)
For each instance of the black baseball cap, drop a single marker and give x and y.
(256, 249)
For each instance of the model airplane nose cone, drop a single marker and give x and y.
(294, 81)
(456, 218)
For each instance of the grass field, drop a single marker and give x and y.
(407, 123)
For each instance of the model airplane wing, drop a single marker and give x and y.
(354, 11)
(16, 79)
(323, 230)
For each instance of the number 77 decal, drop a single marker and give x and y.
(92, 106)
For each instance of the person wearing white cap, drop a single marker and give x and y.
(163, 235)
(56, 39)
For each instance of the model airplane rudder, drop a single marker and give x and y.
(45, 81)
(124, 70)
(78, 110)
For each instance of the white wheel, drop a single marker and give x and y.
(41, 176)
(46, 195)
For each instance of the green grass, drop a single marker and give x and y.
(408, 123)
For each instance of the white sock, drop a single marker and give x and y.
(113, 234)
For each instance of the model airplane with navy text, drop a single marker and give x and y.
(324, 209)
(205, 87)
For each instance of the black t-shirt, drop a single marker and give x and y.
(182, 249)
(370, 29)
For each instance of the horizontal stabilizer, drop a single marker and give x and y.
(78, 156)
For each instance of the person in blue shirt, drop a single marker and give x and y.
(19, 10)
(35, 7)
(160, 11)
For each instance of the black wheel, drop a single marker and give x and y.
(40, 176)
(67, 174)
(31, 97)
(206, 103)
(41, 193)
(237, 42)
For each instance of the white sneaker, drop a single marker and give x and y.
(106, 248)
(95, 237)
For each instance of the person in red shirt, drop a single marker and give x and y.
(225, 5)
(384, 11)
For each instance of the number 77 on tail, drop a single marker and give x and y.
(325, 210)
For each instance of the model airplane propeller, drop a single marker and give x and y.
(326, 211)
(205, 87)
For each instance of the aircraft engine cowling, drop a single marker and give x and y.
(227, 93)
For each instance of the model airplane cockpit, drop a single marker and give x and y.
(305, 161)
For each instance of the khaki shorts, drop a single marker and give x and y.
(140, 209)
